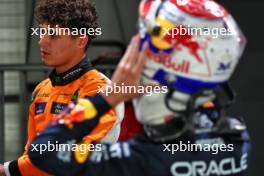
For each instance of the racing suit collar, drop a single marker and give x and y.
(72, 74)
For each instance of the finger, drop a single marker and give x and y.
(134, 53)
(142, 59)
(125, 58)
(123, 64)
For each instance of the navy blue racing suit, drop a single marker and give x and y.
(140, 155)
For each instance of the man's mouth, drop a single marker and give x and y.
(44, 53)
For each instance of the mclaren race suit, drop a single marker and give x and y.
(225, 154)
(51, 96)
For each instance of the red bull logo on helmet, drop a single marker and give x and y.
(167, 60)
(177, 39)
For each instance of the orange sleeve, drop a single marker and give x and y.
(108, 120)
(26, 168)
(105, 125)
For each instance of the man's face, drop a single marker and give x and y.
(59, 51)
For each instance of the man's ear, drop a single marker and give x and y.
(82, 41)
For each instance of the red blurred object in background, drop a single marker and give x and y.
(129, 126)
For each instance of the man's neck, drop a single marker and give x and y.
(75, 60)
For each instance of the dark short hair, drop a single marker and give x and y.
(68, 14)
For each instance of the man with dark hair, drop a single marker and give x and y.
(79, 15)
(63, 45)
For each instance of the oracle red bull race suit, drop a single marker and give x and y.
(140, 155)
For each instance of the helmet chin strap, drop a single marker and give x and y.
(185, 107)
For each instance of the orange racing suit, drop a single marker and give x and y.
(51, 96)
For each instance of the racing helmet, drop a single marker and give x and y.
(193, 45)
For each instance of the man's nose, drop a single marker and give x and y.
(44, 40)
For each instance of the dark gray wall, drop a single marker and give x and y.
(248, 80)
